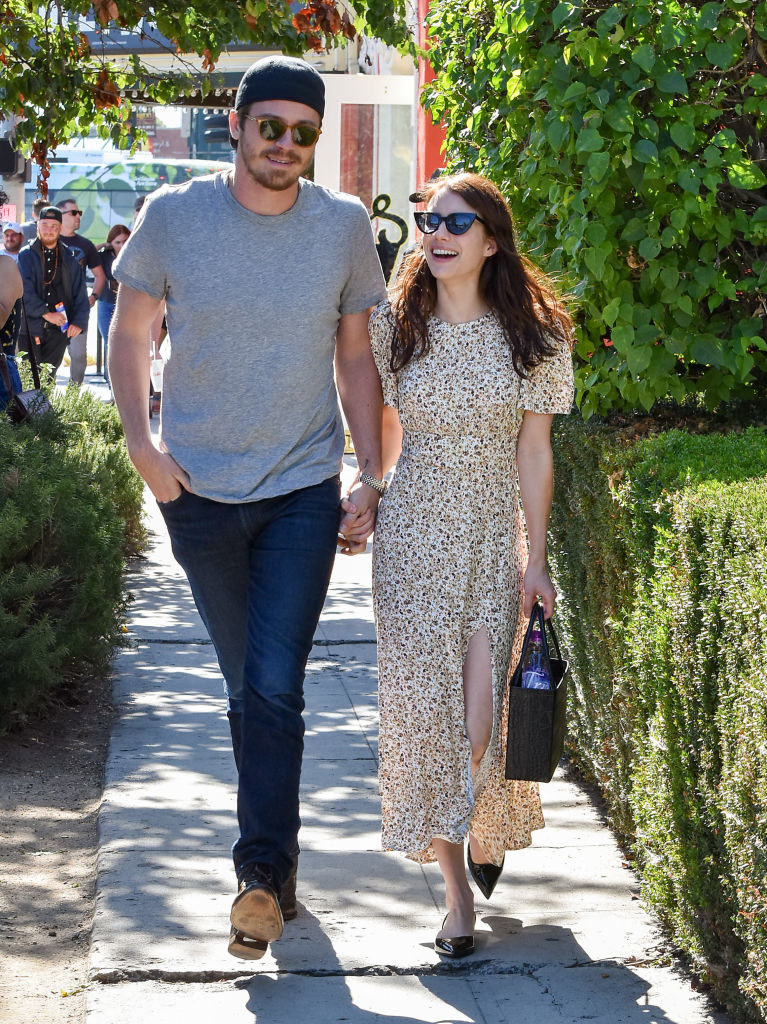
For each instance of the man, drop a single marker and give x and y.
(87, 256)
(13, 238)
(29, 227)
(52, 275)
(247, 472)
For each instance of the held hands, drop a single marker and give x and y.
(358, 519)
(537, 584)
(162, 474)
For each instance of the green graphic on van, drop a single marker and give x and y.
(107, 193)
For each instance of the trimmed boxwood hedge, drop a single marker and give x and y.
(659, 546)
(70, 511)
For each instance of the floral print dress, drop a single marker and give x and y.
(448, 558)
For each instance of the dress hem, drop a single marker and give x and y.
(426, 855)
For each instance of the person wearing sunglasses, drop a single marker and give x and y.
(474, 358)
(87, 256)
(268, 281)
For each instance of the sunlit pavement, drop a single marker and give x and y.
(563, 939)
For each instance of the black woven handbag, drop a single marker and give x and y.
(537, 718)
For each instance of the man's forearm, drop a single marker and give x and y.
(129, 377)
(360, 392)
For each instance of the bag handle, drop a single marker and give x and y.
(32, 353)
(545, 624)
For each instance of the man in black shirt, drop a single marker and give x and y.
(87, 256)
(52, 275)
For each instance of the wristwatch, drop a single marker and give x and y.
(371, 481)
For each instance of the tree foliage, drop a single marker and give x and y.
(631, 139)
(60, 86)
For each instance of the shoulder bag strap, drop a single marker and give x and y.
(32, 353)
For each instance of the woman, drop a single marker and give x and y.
(474, 359)
(116, 238)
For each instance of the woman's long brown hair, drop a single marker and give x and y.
(522, 297)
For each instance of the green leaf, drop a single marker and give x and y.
(594, 259)
(644, 56)
(688, 181)
(610, 312)
(574, 92)
(622, 337)
(634, 230)
(709, 16)
(720, 55)
(672, 82)
(598, 165)
(557, 132)
(561, 13)
(683, 135)
(638, 358)
(645, 150)
(707, 352)
(649, 248)
(588, 141)
(607, 22)
(745, 174)
(595, 233)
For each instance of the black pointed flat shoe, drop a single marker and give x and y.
(454, 948)
(485, 875)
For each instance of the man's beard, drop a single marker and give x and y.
(272, 177)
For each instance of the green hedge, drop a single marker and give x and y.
(659, 546)
(70, 508)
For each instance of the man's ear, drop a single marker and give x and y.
(234, 124)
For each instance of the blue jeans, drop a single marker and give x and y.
(259, 572)
(104, 312)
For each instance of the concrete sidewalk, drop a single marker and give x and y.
(563, 939)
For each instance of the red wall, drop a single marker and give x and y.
(430, 136)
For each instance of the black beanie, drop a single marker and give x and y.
(282, 78)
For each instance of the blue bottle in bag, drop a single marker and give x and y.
(535, 673)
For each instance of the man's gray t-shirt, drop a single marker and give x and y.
(249, 404)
